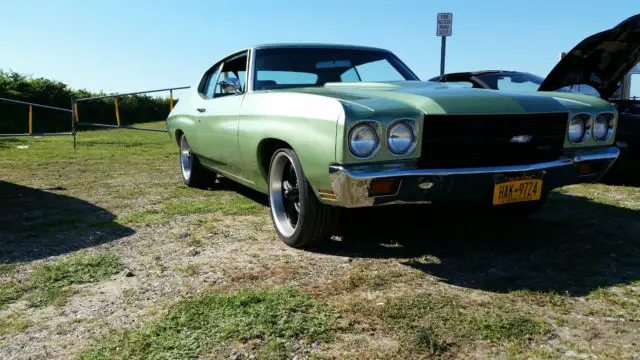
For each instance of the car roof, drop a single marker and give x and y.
(318, 45)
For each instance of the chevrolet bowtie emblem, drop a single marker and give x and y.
(522, 139)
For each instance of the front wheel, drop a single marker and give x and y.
(301, 221)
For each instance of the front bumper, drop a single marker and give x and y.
(351, 184)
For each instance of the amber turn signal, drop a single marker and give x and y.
(381, 187)
(328, 195)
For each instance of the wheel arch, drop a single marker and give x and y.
(266, 148)
(178, 133)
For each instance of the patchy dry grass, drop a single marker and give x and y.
(11, 324)
(48, 283)
(269, 322)
(139, 266)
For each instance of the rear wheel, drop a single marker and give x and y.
(301, 221)
(193, 173)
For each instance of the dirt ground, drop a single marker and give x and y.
(402, 283)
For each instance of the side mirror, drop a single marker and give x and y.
(230, 85)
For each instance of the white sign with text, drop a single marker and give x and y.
(445, 24)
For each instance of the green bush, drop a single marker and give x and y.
(14, 117)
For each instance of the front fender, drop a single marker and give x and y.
(307, 123)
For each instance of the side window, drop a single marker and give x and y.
(350, 75)
(380, 70)
(219, 90)
(271, 79)
(209, 82)
(235, 68)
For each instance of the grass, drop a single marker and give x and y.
(189, 270)
(498, 327)
(617, 302)
(227, 206)
(7, 268)
(438, 324)
(11, 324)
(48, 283)
(268, 319)
(424, 285)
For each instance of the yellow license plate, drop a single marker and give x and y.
(517, 191)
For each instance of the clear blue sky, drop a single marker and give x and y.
(125, 45)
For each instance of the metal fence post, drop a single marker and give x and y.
(34, 105)
(73, 121)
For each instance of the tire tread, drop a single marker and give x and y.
(321, 218)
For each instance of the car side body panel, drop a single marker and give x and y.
(182, 120)
(307, 123)
(218, 127)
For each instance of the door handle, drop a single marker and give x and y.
(201, 110)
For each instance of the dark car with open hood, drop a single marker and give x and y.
(596, 66)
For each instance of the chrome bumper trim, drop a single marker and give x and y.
(351, 184)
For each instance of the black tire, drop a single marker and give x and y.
(314, 222)
(193, 173)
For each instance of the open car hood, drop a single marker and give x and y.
(601, 60)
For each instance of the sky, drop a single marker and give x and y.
(127, 45)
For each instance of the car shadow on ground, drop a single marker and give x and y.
(225, 184)
(38, 223)
(573, 246)
(625, 172)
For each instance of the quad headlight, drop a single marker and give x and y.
(603, 127)
(401, 138)
(579, 128)
(363, 141)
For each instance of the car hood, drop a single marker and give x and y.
(601, 60)
(442, 98)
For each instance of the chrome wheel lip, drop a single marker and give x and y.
(276, 193)
(185, 158)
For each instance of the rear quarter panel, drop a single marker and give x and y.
(180, 118)
(306, 122)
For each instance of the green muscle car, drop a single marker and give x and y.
(323, 127)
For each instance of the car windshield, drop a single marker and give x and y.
(281, 68)
(516, 81)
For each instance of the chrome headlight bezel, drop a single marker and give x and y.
(609, 121)
(410, 125)
(586, 121)
(373, 127)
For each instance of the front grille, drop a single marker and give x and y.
(453, 141)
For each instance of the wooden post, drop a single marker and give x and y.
(30, 119)
(117, 112)
(170, 100)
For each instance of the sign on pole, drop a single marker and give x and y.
(445, 24)
(444, 28)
